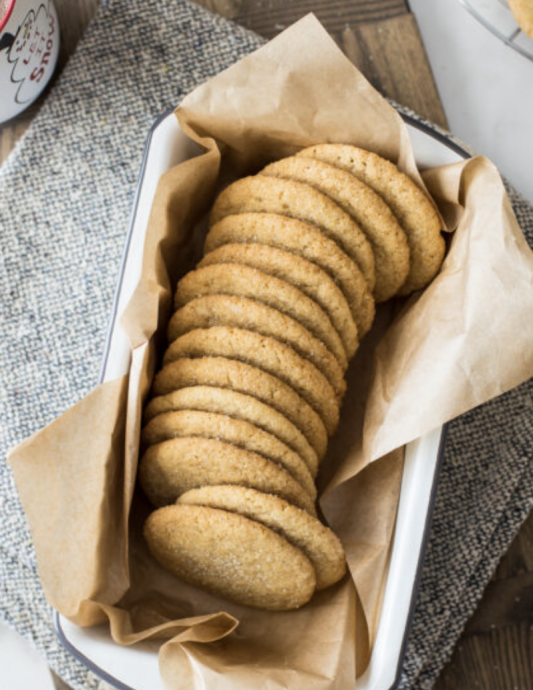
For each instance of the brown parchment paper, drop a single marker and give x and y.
(467, 338)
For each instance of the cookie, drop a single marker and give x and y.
(236, 431)
(241, 312)
(288, 198)
(307, 241)
(173, 467)
(238, 406)
(410, 205)
(304, 275)
(244, 281)
(317, 541)
(266, 354)
(368, 210)
(231, 556)
(523, 13)
(243, 378)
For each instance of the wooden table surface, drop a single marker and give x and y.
(381, 37)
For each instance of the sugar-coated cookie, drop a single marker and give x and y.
(266, 354)
(303, 274)
(238, 406)
(244, 281)
(414, 211)
(307, 241)
(241, 377)
(317, 541)
(523, 12)
(368, 209)
(242, 312)
(297, 200)
(182, 423)
(173, 467)
(231, 556)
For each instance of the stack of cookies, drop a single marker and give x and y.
(253, 378)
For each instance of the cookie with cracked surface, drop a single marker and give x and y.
(368, 209)
(173, 467)
(306, 240)
(266, 354)
(317, 541)
(230, 556)
(303, 274)
(298, 200)
(523, 13)
(243, 378)
(414, 211)
(241, 312)
(244, 281)
(238, 406)
(238, 432)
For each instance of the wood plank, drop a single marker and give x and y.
(505, 602)
(519, 557)
(72, 24)
(269, 17)
(495, 651)
(391, 55)
(500, 660)
(11, 132)
(382, 38)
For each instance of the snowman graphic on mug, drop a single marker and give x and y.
(28, 54)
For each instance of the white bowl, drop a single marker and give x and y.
(136, 667)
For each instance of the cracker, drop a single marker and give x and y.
(244, 281)
(238, 406)
(231, 556)
(304, 275)
(243, 378)
(173, 467)
(267, 354)
(368, 210)
(297, 200)
(414, 211)
(241, 312)
(317, 541)
(182, 423)
(307, 241)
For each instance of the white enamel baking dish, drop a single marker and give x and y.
(136, 667)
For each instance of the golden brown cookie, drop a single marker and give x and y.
(244, 281)
(238, 406)
(173, 467)
(241, 312)
(368, 210)
(230, 556)
(304, 275)
(307, 241)
(236, 431)
(523, 12)
(266, 354)
(317, 541)
(288, 198)
(243, 378)
(414, 211)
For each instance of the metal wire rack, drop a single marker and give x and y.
(496, 16)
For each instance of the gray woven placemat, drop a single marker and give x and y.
(65, 197)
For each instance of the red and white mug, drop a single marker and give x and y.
(29, 45)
